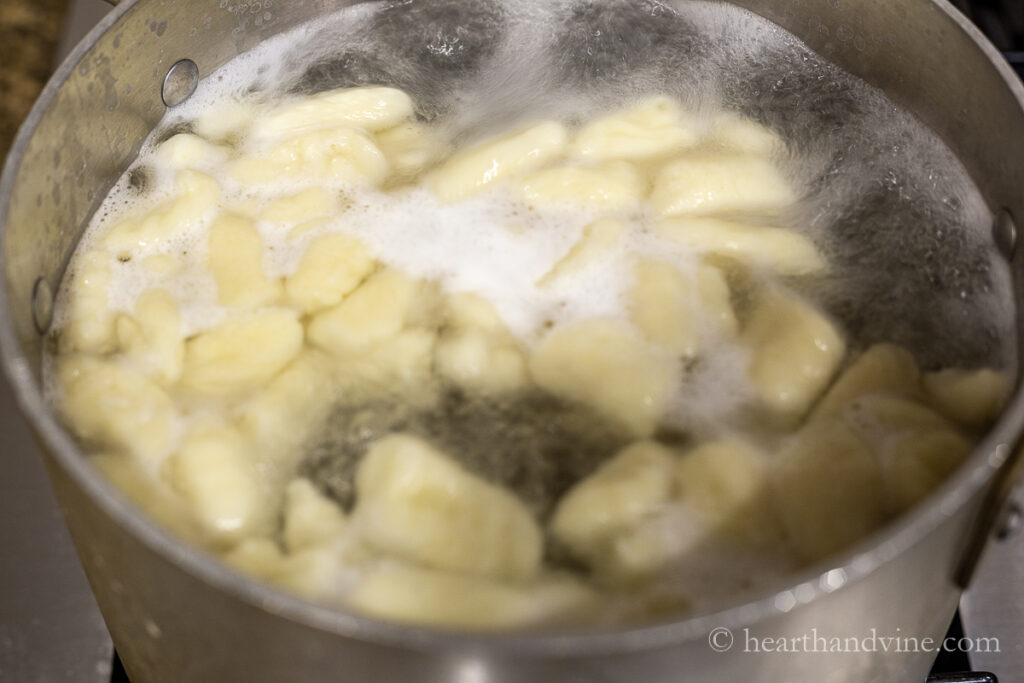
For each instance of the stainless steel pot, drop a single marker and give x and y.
(177, 615)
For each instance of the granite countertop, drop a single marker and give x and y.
(28, 38)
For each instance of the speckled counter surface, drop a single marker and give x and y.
(29, 30)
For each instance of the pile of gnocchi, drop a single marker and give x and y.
(206, 331)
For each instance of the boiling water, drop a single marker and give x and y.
(901, 222)
(906, 232)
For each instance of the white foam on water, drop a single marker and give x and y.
(710, 56)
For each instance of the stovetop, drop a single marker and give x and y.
(51, 629)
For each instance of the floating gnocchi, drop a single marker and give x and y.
(795, 353)
(470, 171)
(241, 354)
(614, 186)
(332, 267)
(236, 261)
(415, 502)
(776, 249)
(714, 184)
(579, 372)
(196, 194)
(607, 365)
(655, 128)
(372, 109)
(627, 488)
(373, 313)
(152, 340)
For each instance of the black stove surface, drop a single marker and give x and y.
(1003, 23)
(955, 667)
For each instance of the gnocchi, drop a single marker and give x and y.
(776, 249)
(666, 305)
(796, 351)
(185, 150)
(196, 194)
(212, 471)
(117, 408)
(655, 128)
(418, 504)
(972, 398)
(372, 109)
(827, 488)
(346, 154)
(597, 240)
(152, 340)
(612, 187)
(373, 313)
(314, 202)
(703, 185)
(90, 325)
(236, 261)
(329, 263)
(471, 171)
(882, 369)
(241, 354)
(627, 488)
(331, 268)
(420, 596)
(727, 482)
(605, 364)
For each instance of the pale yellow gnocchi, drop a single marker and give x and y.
(776, 249)
(795, 353)
(236, 261)
(185, 150)
(373, 313)
(332, 267)
(596, 242)
(828, 489)
(241, 354)
(409, 147)
(340, 154)
(117, 408)
(415, 502)
(657, 127)
(372, 109)
(310, 518)
(714, 184)
(627, 488)
(214, 474)
(196, 195)
(613, 186)
(90, 318)
(727, 482)
(420, 596)
(605, 364)
(265, 353)
(670, 308)
(313, 202)
(470, 171)
(153, 340)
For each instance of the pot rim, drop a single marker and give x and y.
(855, 564)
